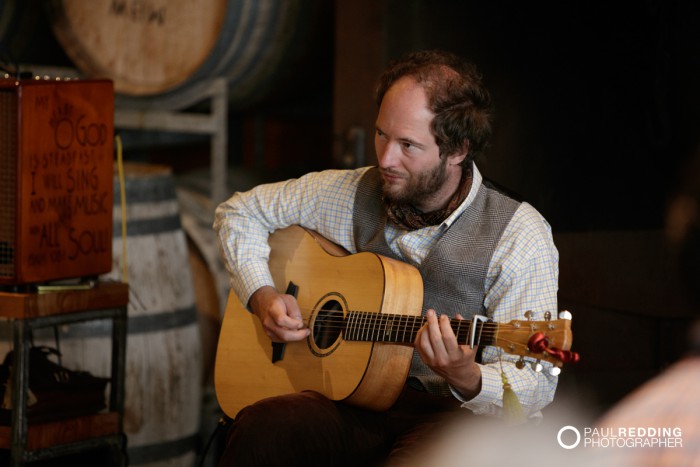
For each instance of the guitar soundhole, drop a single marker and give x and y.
(328, 324)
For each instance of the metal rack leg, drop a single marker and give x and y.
(116, 395)
(20, 387)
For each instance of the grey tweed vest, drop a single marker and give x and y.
(454, 271)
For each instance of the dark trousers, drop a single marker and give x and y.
(308, 429)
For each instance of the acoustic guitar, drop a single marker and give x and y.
(364, 311)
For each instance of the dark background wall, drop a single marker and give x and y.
(596, 101)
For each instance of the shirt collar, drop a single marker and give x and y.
(476, 184)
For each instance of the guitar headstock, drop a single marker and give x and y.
(548, 340)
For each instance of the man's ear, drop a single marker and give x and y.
(458, 158)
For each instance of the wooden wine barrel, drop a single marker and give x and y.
(208, 310)
(164, 366)
(162, 53)
(163, 386)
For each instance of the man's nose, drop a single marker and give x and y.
(387, 154)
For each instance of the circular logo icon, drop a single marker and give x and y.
(565, 429)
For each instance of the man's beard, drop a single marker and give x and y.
(418, 189)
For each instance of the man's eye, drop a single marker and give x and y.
(409, 146)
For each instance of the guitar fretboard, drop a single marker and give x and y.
(402, 329)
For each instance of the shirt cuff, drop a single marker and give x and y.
(249, 279)
(488, 401)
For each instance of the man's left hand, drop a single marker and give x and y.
(437, 346)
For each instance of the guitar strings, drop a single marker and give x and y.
(360, 322)
(379, 319)
(337, 322)
(372, 328)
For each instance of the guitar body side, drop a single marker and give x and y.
(362, 373)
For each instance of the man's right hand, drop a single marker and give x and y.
(279, 315)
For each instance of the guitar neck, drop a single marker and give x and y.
(402, 329)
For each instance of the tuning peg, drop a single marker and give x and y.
(536, 366)
(547, 316)
(528, 315)
(554, 371)
(565, 315)
(520, 364)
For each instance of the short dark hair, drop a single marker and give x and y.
(456, 95)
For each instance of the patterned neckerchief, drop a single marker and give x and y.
(408, 217)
